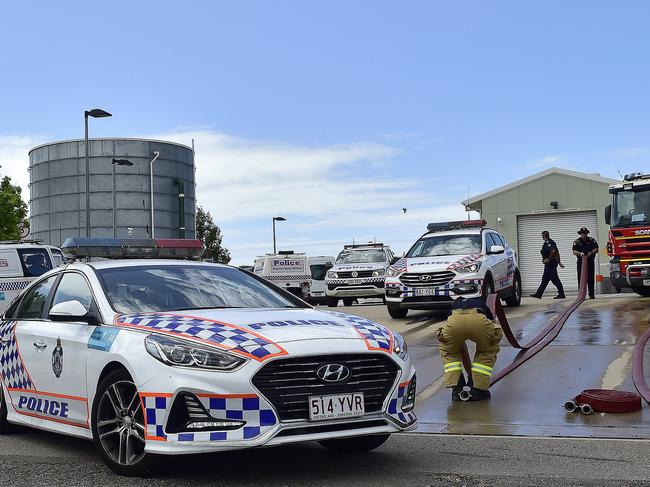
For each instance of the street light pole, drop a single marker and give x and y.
(276, 219)
(156, 154)
(95, 113)
(117, 162)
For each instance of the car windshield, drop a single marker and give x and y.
(631, 208)
(446, 245)
(140, 289)
(361, 256)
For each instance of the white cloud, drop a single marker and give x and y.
(243, 179)
(14, 158)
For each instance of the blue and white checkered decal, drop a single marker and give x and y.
(376, 336)
(444, 290)
(13, 370)
(230, 337)
(395, 405)
(14, 285)
(256, 412)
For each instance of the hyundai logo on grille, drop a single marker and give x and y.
(425, 277)
(355, 274)
(333, 373)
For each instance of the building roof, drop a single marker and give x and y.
(553, 170)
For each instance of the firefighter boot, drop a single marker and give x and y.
(455, 391)
(479, 394)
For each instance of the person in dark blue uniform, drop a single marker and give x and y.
(551, 259)
(585, 246)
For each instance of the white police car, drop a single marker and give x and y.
(453, 259)
(358, 272)
(158, 357)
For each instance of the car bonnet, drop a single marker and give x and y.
(260, 333)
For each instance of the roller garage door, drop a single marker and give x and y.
(563, 228)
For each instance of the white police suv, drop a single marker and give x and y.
(358, 272)
(159, 357)
(453, 259)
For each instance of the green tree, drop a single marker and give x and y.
(13, 210)
(210, 234)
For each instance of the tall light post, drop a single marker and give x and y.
(95, 113)
(156, 154)
(117, 162)
(276, 219)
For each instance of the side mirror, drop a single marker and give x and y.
(71, 311)
(496, 249)
(608, 214)
(393, 260)
(328, 265)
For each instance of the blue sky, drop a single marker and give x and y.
(336, 114)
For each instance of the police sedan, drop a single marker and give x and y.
(151, 357)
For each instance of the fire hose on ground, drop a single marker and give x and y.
(589, 400)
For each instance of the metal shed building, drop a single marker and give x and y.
(558, 200)
(58, 188)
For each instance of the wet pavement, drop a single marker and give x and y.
(594, 350)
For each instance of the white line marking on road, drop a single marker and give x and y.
(618, 370)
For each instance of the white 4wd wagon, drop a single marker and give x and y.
(453, 259)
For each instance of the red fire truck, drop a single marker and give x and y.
(629, 233)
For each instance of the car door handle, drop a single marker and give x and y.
(40, 344)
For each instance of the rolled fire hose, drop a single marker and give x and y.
(604, 401)
(543, 338)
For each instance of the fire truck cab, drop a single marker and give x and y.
(629, 233)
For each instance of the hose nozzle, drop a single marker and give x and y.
(570, 406)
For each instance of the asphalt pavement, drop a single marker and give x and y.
(521, 437)
(39, 458)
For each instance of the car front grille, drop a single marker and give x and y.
(433, 279)
(348, 274)
(288, 383)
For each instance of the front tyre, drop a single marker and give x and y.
(348, 301)
(396, 312)
(515, 300)
(359, 444)
(642, 291)
(118, 426)
(332, 302)
(5, 426)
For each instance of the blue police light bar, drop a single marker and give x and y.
(134, 248)
(456, 225)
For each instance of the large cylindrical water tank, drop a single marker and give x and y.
(58, 189)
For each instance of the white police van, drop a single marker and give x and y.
(358, 272)
(286, 269)
(318, 266)
(20, 264)
(450, 260)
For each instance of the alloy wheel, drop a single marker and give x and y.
(120, 423)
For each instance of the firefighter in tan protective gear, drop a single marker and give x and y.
(470, 319)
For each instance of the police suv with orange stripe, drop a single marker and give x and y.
(450, 260)
(160, 356)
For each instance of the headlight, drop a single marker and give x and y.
(392, 272)
(332, 275)
(378, 272)
(181, 353)
(469, 268)
(399, 346)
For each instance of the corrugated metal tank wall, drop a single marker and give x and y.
(58, 185)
